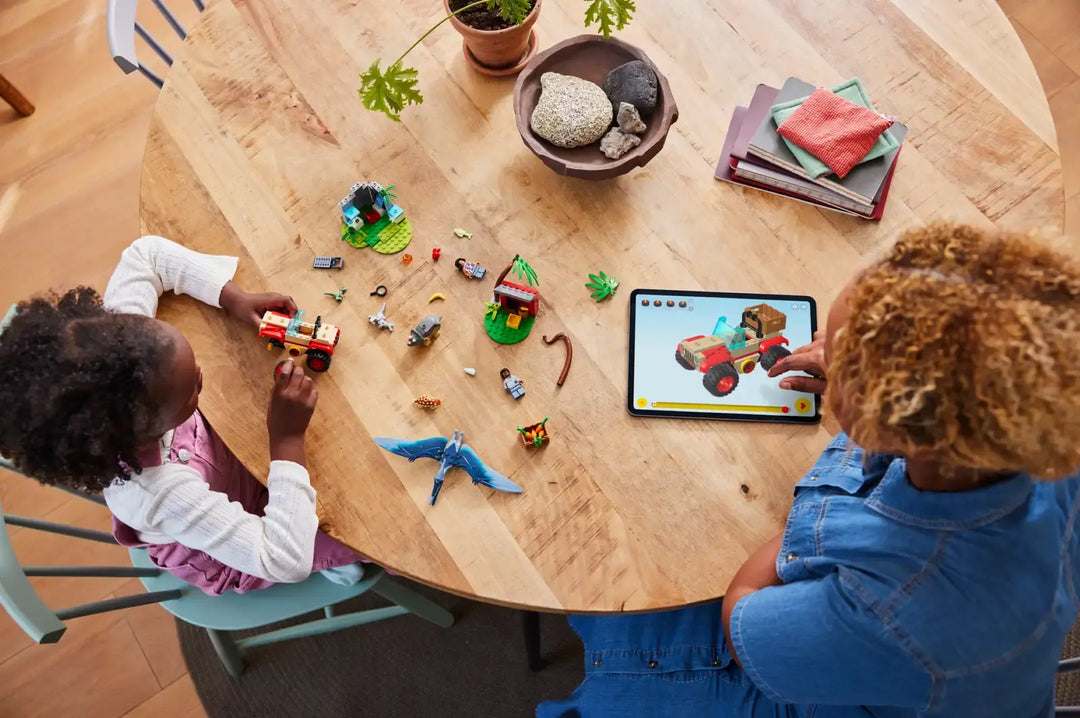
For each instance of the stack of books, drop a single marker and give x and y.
(755, 155)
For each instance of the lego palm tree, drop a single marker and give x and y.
(510, 314)
(392, 89)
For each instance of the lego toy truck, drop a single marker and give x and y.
(316, 340)
(730, 351)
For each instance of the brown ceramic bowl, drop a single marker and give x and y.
(591, 57)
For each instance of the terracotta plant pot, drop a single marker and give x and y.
(498, 52)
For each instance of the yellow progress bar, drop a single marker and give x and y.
(707, 407)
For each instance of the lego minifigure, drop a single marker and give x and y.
(512, 384)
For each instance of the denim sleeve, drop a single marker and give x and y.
(815, 642)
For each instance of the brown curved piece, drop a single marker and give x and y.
(506, 271)
(569, 354)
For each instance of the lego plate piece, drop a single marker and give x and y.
(370, 218)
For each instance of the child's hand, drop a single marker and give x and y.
(291, 405)
(810, 359)
(249, 308)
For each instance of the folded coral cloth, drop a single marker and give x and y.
(833, 131)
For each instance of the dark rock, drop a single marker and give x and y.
(634, 82)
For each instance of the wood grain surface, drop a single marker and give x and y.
(259, 132)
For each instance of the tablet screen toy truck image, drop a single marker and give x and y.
(297, 337)
(730, 351)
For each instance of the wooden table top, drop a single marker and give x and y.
(259, 132)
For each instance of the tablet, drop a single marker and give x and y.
(706, 355)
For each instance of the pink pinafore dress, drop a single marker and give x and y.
(196, 445)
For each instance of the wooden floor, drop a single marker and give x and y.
(68, 204)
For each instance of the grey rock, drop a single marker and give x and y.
(633, 82)
(617, 143)
(571, 112)
(630, 120)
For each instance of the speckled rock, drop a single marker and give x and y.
(571, 112)
(633, 82)
(630, 120)
(617, 143)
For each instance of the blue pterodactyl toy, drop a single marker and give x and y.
(449, 453)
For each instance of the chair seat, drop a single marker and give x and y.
(241, 611)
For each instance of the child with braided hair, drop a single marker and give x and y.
(98, 395)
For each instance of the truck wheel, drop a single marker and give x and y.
(274, 344)
(773, 355)
(318, 360)
(681, 361)
(721, 380)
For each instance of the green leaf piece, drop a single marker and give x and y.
(524, 271)
(609, 14)
(513, 10)
(391, 91)
(603, 285)
(462, 233)
(492, 310)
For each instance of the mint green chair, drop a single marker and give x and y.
(219, 615)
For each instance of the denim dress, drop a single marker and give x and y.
(895, 603)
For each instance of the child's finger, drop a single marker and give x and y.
(297, 378)
(283, 375)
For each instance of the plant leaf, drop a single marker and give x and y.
(609, 13)
(524, 271)
(391, 91)
(513, 10)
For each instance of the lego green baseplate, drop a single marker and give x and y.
(383, 237)
(496, 328)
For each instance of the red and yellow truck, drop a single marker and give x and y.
(730, 351)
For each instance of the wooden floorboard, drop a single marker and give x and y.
(68, 203)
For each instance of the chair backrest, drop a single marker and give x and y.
(17, 595)
(122, 26)
(20, 600)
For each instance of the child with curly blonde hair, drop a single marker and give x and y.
(928, 566)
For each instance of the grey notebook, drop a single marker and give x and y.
(863, 182)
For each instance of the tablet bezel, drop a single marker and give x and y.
(729, 416)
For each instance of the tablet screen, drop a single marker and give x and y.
(706, 355)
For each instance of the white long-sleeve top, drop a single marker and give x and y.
(172, 503)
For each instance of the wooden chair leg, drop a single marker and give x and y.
(530, 621)
(227, 651)
(413, 602)
(15, 98)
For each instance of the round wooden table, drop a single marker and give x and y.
(259, 132)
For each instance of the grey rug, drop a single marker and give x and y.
(399, 667)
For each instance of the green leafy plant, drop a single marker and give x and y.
(523, 270)
(392, 89)
(603, 286)
(491, 310)
(608, 13)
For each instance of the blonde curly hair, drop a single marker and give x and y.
(963, 347)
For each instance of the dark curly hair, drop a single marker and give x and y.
(961, 347)
(75, 389)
